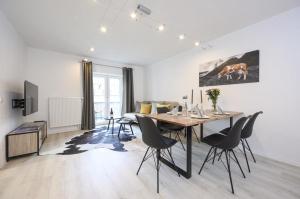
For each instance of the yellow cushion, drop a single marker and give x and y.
(145, 108)
(164, 105)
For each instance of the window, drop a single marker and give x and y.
(107, 96)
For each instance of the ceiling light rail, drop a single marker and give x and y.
(141, 12)
(106, 65)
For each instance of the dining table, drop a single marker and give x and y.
(189, 121)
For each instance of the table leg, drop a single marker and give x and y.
(188, 172)
(108, 125)
(188, 152)
(120, 130)
(201, 132)
(113, 126)
(231, 122)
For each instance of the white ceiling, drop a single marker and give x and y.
(72, 26)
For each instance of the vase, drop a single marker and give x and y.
(214, 106)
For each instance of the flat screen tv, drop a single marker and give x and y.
(30, 98)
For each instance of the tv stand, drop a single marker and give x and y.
(26, 139)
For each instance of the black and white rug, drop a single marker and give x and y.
(94, 139)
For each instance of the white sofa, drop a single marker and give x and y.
(137, 108)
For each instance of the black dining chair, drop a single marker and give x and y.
(226, 144)
(156, 142)
(246, 133)
(169, 128)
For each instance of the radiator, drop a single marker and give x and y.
(64, 111)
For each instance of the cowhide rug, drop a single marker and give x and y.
(94, 139)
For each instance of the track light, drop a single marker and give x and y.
(133, 15)
(181, 37)
(161, 27)
(103, 29)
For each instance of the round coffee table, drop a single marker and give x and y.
(123, 122)
(111, 120)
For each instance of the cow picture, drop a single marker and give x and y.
(243, 68)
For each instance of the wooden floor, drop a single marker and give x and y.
(103, 173)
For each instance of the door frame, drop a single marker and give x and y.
(106, 77)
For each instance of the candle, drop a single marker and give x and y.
(201, 96)
(192, 98)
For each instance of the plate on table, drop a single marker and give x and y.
(221, 113)
(170, 113)
(199, 117)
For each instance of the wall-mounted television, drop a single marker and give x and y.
(30, 101)
(31, 98)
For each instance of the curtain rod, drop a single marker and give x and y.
(120, 67)
(112, 66)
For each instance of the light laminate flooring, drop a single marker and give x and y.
(103, 173)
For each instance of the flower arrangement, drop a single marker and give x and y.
(213, 95)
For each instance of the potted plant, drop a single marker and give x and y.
(213, 95)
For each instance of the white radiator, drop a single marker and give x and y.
(64, 111)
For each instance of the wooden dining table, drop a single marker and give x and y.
(188, 122)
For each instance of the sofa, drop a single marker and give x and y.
(138, 107)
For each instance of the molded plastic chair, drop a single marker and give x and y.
(153, 139)
(169, 128)
(226, 144)
(246, 133)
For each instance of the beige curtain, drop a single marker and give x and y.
(88, 113)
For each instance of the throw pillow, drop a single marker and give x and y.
(145, 108)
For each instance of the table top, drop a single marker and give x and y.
(188, 121)
(28, 127)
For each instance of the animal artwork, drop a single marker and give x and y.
(241, 69)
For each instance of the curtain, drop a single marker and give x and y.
(88, 113)
(128, 94)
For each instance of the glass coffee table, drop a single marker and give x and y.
(111, 122)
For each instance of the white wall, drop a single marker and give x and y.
(138, 76)
(59, 75)
(12, 54)
(276, 134)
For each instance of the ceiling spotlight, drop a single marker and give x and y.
(103, 29)
(85, 59)
(181, 37)
(92, 49)
(197, 43)
(161, 27)
(133, 15)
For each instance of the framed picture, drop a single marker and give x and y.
(238, 69)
